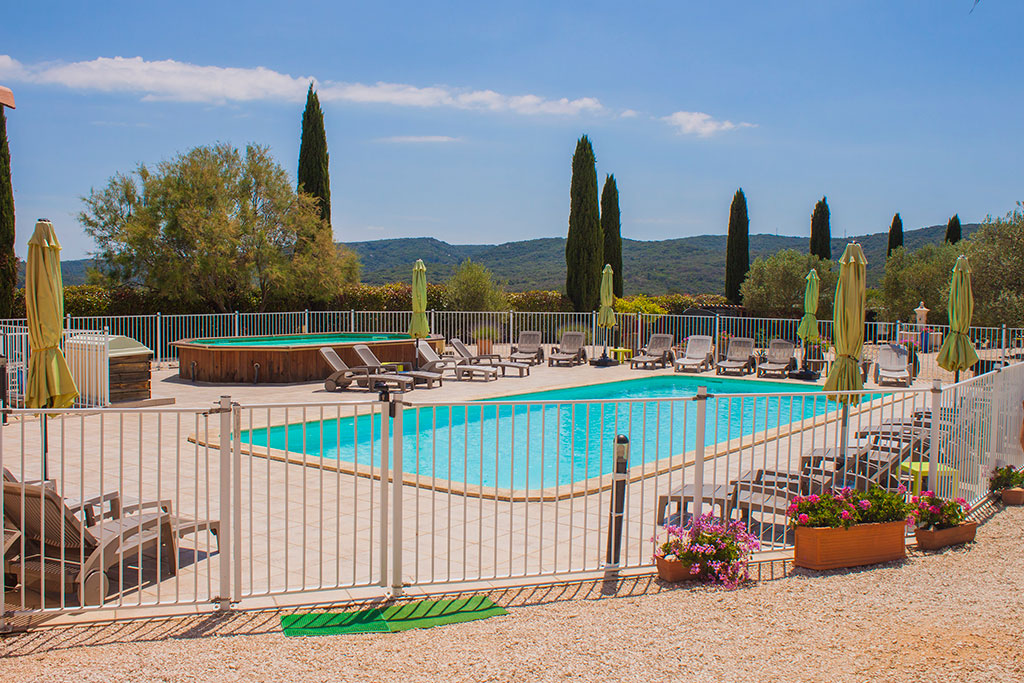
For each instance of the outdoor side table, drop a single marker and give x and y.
(715, 495)
(621, 354)
(919, 472)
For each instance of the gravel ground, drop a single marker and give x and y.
(955, 615)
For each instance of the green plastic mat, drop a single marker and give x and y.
(400, 617)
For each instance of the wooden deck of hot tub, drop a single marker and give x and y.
(282, 364)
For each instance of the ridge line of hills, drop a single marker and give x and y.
(691, 265)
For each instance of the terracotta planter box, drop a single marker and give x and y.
(484, 346)
(674, 571)
(933, 539)
(828, 548)
(1014, 496)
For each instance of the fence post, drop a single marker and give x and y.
(396, 499)
(305, 324)
(236, 503)
(352, 320)
(433, 321)
(236, 324)
(385, 444)
(933, 437)
(510, 332)
(718, 340)
(224, 593)
(899, 326)
(1002, 356)
(698, 464)
(105, 369)
(159, 350)
(618, 502)
(639, 331)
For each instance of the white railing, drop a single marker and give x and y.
(365, 497)
(996, 345)
(88, 356)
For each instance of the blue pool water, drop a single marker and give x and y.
(492, 443)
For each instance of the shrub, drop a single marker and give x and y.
(932, 512)
(1005, 478)
(846, 507)
(473, 288)
(713, 548)
(775, 285)
(639, 304)
(539, 301)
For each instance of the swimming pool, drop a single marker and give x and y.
(557, 437)
(283, 358)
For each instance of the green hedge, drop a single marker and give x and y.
(90, 300)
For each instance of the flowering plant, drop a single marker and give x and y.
(1005, 478)
(932, 512)
(716, 549)
(846, 507)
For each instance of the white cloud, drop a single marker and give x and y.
(701, 124)
(179, 81)
(629, 114)
(418, 138)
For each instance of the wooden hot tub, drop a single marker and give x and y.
(286, 358)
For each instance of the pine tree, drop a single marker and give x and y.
(8, 261)
(895, 235)
(314, 174)
(821, 230)
(584, 247)
(953, 229)
(611, 227)
(737, 251)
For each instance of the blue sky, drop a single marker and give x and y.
(458, 120)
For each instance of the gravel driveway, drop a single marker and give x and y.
(957, 615)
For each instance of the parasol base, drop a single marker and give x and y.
(604, 362)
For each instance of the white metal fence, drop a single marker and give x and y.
(87, 352)
(996, 345)
(144, 508)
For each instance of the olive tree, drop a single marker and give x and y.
(216, 227)
(775, 284)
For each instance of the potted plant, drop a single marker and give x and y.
(708, 549)
(848, 528)
(912, 360)
(485, 336)
(1008, 482)
(941, 522)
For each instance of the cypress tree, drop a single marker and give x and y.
(314, 178)
(821, 230)
(584, 247)
(8, 261)
(737, 251)
(611, 227)
(953, 229)
(895, 234)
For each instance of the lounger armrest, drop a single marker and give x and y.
(92, 508)
(487, 356)
(390, 367)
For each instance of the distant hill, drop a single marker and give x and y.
(688, 264)
(693, 265)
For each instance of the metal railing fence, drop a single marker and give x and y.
(159, 507)
(87, 352)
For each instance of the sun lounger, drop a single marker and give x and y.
(528, 349)
(893, 365)
(374, 365)
(63, 556)
(570, 350)
(462, 369)
(780, 360)
(697, 354)
(739, 358)
(657, 352)
(682, 497)
(491, 359)
(342, 376)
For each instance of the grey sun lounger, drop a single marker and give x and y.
(64, 556)
(570, 350)
(462, 369)
(342, 376)
(491, 359)
(528, 348)
(657, 352)
(697, 354)
(781, 359)
(373, 363)
(893, 365)
(739, 358)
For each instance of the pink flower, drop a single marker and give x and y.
(934, 509)
(914, 500)
(962, 501)
(793, 508)
(813, 498)
(928, 494)
(803, 519)
(901, 489)
(865, 504)
(845, 514)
